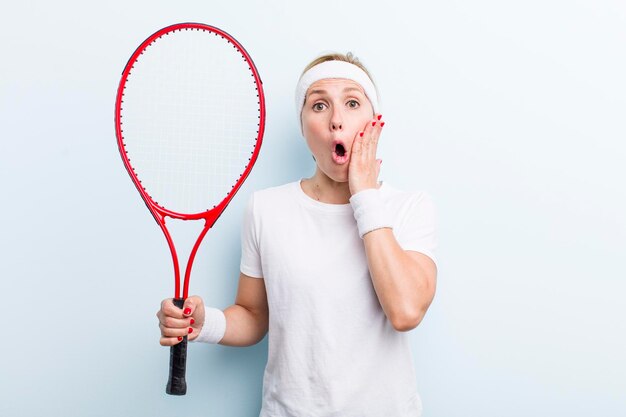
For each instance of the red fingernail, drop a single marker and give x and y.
(373, 123)
(180, 338)
(380, 116)
(361, 134)
(382, 124)
(187, 311)
(192, 321)
(190, 330)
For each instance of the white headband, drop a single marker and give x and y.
(335, 69)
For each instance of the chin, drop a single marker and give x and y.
(341, 180)
(339, 177)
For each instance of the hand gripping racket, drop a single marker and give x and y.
(189, 119)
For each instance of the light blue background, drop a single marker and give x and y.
(511, 114)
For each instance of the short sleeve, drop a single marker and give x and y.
(250, 254)
(417, 228)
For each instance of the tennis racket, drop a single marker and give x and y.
(189, 120)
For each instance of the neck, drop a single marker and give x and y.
(322, 188)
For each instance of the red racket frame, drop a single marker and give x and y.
(158, 212)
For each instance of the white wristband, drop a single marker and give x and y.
(369, 211)
(214, 326)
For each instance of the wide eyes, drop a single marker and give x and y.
(319, 106)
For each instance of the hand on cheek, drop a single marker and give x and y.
(364, 167)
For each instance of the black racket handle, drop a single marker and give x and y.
(176, 384)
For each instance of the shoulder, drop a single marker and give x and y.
(399, 198)
(410, 207)
(266, 197)
(415, 220)
(278, 191)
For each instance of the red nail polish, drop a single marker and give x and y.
(180, 338)
(373, 123)
(190, 330)
(192, 321)
(187, 311)
(380, 116)
(382, 124)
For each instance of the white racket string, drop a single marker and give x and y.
(190, 119)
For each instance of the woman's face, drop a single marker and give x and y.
(334, 112)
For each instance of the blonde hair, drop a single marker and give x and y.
(336, 56)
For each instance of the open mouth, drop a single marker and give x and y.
(340, 150)
(340, 153)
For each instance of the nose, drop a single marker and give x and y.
(336, 121)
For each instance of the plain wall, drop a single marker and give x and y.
(510, 114)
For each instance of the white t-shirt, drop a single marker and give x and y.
(332, 351)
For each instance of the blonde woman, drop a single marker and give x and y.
(335, 268)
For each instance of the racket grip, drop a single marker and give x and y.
(176, 384)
